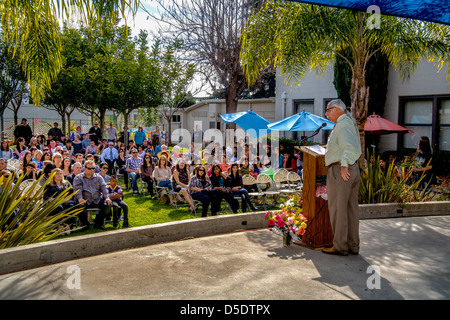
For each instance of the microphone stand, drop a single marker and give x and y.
(314, 134)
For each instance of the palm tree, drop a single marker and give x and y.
(34, 27)
(296, 37)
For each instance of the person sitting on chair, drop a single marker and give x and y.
(162, 175)
(237, 188)
(147, 173)
(220, 183)
(133, 165)
(92, 193)
(115, 192)
(54, 188)
(181, 181)
(201, 190)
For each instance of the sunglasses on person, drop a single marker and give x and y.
(87, 168)
(105, 168)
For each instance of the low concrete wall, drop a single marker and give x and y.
(34, 255)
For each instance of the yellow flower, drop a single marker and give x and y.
(303, 225)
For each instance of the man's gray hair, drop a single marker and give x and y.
(338, 103)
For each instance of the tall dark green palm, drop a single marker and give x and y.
(34, 26)
(299, 37)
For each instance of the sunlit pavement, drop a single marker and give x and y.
(401, 258)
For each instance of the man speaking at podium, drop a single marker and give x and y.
(343, 179)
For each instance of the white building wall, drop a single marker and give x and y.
(425, 81)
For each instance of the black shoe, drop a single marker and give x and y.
(115, 224)
(126, 225)
(100, 227)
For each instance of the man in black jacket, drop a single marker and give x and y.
(55, 132)
(23, 130)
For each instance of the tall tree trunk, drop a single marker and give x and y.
(231, 98)
(102, 123)
(360, 98)
(125, 127)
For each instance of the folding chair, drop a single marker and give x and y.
(24, 184)
(282, 183)
(295, 181)
(248, 180)
(271, 190)
(159, 190)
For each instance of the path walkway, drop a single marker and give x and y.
(412, 255)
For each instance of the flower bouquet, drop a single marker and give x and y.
(289, 221)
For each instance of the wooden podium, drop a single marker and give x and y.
(318, 233)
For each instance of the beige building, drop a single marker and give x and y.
(206, 113)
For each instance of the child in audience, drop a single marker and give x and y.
(116, 196)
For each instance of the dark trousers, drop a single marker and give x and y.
(125, 176)
(149, 182)
(61, 208)
(110, 166)
(205, 199)
(99, 218)
(117, 206)
(245, 199)
(234, 204)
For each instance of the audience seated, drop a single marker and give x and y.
(209, 175)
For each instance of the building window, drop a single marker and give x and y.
(444, 124)
(176, 118)
(426, 116)
(307, 105)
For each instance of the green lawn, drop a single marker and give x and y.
(143, 211)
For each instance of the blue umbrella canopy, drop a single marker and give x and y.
(248, 120)
(303, 121)
(426, 10)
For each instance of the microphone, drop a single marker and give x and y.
(315, 132)
(320, 128)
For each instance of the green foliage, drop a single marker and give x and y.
(376, 79)
(442, 188)
(25, 217)
(33, 26)
(393, 184)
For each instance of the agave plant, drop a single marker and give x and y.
(25, 217)
(393, 185)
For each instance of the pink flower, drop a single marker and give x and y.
(271, 223)
(281, 223)
(267, 214)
